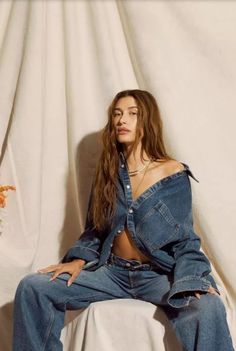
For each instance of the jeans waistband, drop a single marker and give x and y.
(129, 264)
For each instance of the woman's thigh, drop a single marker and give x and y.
(89, 286)
(153, 287)
(208, 307)
(156, 290)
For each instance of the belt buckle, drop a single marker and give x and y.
(138, 265)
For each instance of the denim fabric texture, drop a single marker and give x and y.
(160, 222)
(40, 305)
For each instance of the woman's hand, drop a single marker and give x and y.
(211, 290)
(73, 268)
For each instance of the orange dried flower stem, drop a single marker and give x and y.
(3, 196)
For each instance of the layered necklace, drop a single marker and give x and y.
(139, 170)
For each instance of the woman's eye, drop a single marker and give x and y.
(115, 114)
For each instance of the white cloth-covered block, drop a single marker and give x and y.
(119, 325)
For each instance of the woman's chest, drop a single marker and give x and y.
(139, 184)
(142, 181)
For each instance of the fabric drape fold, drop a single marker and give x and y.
(61, 63)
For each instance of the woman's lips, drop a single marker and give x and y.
(123, 131)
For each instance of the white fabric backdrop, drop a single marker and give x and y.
(61, 62)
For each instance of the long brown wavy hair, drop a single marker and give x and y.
(104, 188)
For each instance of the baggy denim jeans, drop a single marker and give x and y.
(40, 305)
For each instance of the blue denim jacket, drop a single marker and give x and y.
(161, 225)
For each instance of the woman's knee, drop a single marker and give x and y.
(33, 281)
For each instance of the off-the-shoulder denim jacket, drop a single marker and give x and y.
(160, 222)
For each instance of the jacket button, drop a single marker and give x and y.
(122, 165)
(128, 264)
(131, 210)
(127, 186)
(119, 231)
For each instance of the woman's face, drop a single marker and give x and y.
(124, 118)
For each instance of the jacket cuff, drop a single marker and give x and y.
(177, 297)
(82, 252)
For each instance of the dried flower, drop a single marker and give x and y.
(2, 195)
(3, 202)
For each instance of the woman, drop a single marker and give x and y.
(139, 222)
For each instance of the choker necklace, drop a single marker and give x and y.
(139, 169)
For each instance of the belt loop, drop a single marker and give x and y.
(112, 258)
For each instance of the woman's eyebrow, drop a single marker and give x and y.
(118, 108)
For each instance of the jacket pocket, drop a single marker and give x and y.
(158, 227)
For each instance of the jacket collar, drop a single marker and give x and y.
(187, 169)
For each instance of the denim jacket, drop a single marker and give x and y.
(161, 225)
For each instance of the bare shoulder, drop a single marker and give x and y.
(167, 168)
(175, 166)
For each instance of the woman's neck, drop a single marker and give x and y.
(134, 159)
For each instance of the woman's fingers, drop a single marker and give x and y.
(73, 268)
(211, 290)
(56, 274)
(51, 268)
(73, 277)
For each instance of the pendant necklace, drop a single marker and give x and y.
(138, 171)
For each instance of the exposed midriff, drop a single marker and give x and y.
(124, 246)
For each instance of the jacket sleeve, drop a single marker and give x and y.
(192, 268)
(87, 247)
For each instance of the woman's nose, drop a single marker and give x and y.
(123, 118)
